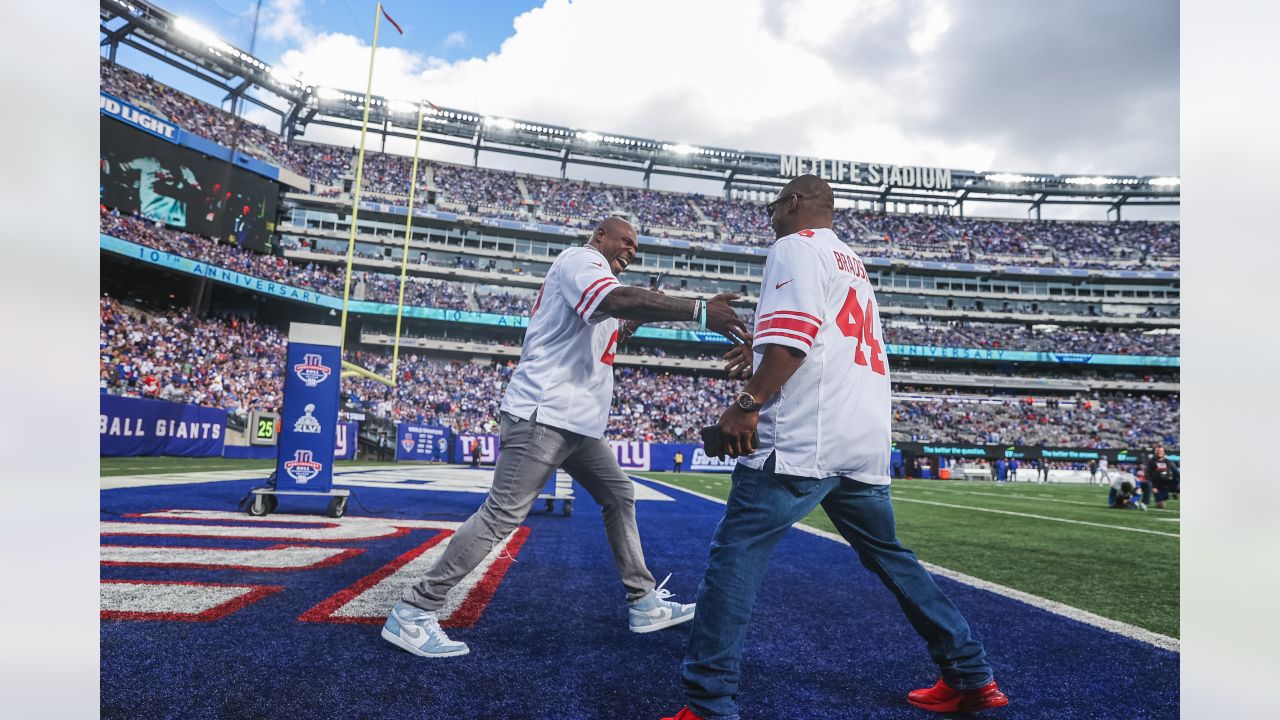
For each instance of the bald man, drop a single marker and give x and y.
(812, 426)
(553, 416)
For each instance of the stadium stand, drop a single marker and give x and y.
(497, 193)
(234, 363)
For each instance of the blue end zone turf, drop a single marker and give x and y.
(827, 640)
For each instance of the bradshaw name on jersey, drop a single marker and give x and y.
(832, 417)
(565, 373)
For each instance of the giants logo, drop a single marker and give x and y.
(302, 468)
(312, 371)
(286, 544)
(632, 454)
(488, 447)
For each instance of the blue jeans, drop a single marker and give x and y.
(762, 506)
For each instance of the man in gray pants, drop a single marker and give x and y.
(553, 415)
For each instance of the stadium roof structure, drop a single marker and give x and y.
(190, 47)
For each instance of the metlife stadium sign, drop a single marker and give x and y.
(905, 176)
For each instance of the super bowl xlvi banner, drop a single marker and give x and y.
(133, 426)
(310, 412)
(488, 447)
(423, 443)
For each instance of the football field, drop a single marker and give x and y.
(209, 612)
(1059, 542)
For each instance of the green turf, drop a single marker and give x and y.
(111, 467)
(1111, 571)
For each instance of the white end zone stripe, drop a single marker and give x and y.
(374, 601)
(175, 601)
(261, 528)
(279, 558)
(1053, 606)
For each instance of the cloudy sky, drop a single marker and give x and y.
(1078, 86)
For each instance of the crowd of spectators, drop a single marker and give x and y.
(573, 203)
(226, 362)
(426, 292)
(478, 187)
(1114, 420)
(234, 363)
(1011, 336)
(389, 174)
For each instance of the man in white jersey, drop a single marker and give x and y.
(554, 415)
(813, 426)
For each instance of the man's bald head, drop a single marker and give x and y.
(615, 238)
(805, 202)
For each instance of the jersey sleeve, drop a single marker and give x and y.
(584, 281)
(790, 311)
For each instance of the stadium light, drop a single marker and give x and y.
(195, 30)
(590, 136)
(500, 123)
(402, 106)
(284, 79)
(1166, 182)
(328, 93)
(1095, 180)
(682, 149)
(1010, 178)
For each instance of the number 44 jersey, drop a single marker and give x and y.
(832, 417)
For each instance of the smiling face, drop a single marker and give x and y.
(616, 240)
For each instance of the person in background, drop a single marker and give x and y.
(1164, 476)
(1093, 471)
(475, 452)
(679, 461)
(1013, 470)
(1124, 493)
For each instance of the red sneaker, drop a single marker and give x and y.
(684, 714)
(944, 698)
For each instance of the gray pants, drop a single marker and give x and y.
(530, 451)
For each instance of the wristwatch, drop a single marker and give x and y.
(747, 403)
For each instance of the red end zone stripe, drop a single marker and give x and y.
(578, 308)
(796, 313)
(786, 334)
(785, 323)
(592, 301)
(468, 613)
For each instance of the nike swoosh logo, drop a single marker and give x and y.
(775, 287)
(414, 635)
(597, 265)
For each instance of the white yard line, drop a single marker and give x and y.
(187, 478)
(1011, 495)
(1053, 606)
(899, 498)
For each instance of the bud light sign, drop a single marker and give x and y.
(309, 427)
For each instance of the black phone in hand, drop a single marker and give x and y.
(712, 442)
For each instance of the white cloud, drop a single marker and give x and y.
(283, 20)
(863, 80)
(457, 38)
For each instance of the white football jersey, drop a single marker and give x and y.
(565, 372)
(832, 417)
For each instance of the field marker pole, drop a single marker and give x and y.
(355, 199)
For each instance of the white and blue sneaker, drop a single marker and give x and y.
(654, 612)
(418, 631)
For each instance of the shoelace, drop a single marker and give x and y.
(429, 622)
(661, 591)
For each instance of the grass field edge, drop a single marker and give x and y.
(1117, 627)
